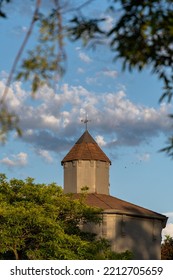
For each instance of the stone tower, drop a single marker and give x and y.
(86, 165)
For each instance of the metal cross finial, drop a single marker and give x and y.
(85, 121)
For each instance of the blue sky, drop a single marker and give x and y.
(126, 119)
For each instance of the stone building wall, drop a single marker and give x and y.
(90, 173)
(140, 235)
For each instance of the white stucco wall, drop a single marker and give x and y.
(140, 235)
(90, 173)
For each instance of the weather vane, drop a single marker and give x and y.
(85, 121)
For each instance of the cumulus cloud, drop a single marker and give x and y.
(110, 73)
(100, 140)
(53, 121)
(108, 24)
(45, 155)
(84, 57)
(19, 160)
(133, 123)
(168, 230)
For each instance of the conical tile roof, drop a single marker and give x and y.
(86, 148)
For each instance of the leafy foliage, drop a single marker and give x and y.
(38, 221)
(169, 149)
(46, 62)
(167, 249)
(141, 36)
(2, 13)
(8, 122)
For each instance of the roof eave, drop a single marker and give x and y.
(128, 213)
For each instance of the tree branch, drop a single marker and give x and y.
(34, 18)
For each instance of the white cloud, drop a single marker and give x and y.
(91, 80)
(19, 30)
(16, 95)
(109, 22)
(110, 73)
(29, 132)
(144, 157)
(19, 160)
(100, 140)
(168, 230)
(99, 77)
(8, 162)
(22, 159)
(170, 216)
(45, 155)
(52, 121)
(3, 75)
(85, 58)
(80, 70)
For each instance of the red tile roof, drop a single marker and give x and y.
(115, 205)
(86, 148)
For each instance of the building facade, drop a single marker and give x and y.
(127, 226)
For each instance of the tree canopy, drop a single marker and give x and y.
(38, 222)
(141, 36)
(167, 248)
